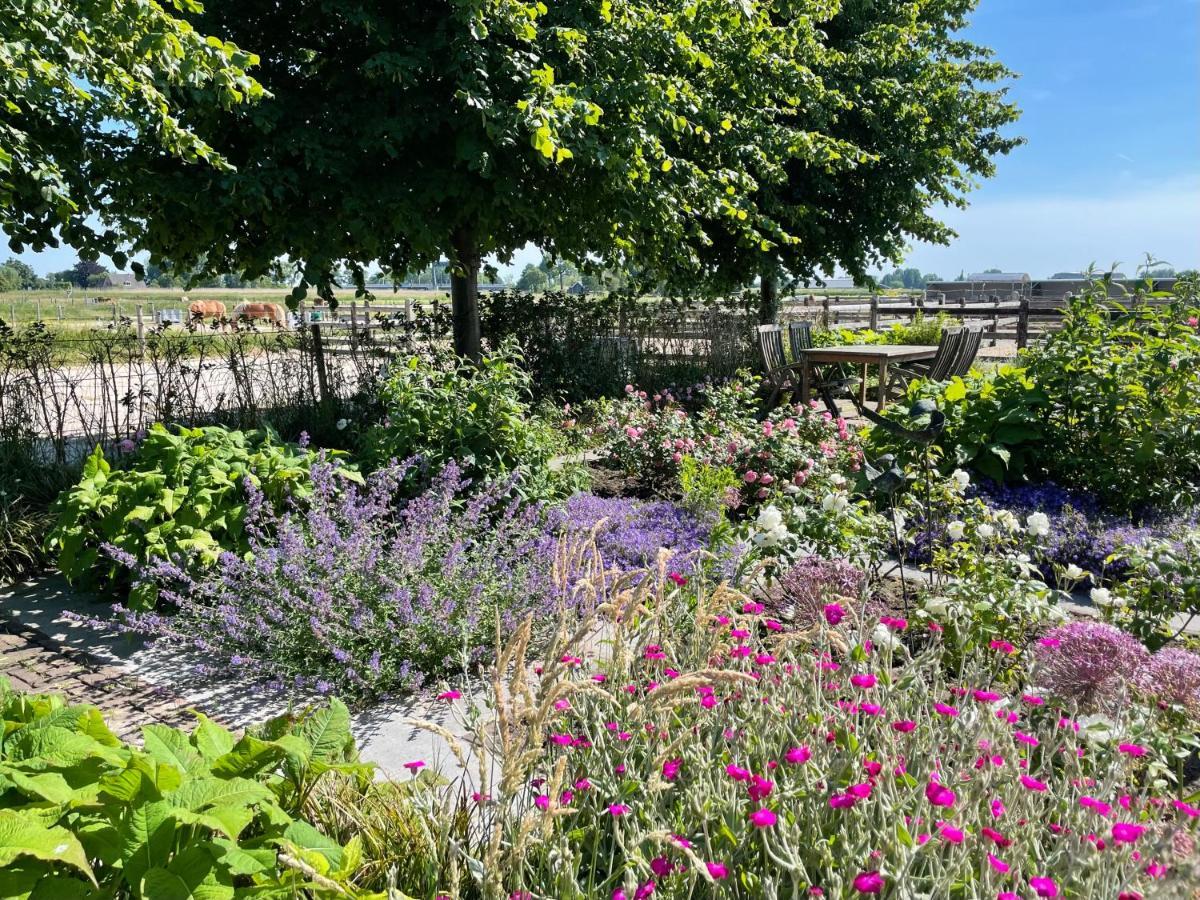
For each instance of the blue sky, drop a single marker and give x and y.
(1110, 93)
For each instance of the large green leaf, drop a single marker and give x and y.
(172, 746)
(21, 836)
(327, 729)
(193, 875)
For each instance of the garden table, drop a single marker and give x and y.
(881, 355)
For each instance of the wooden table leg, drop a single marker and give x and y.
(804, 386)
(862, 388)
(882, 384)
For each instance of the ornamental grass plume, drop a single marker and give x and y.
(1089, 664)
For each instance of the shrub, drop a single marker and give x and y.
(203, 814)
(180, 494)
(442, 408)
(1106, 404)
(719, 426)
(1161, 584)
(711, 755)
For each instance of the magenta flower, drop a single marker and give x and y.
(842, 801)
(1132, 749)
(998, 864)
(449, 695)
(1032, 783)
(1043, 886)
(759, 788)
(542, 801)
(1095, 805)
(904, 726)
(618, 809)
(951, 834)
(1003, 647)
(834, 613)
(737, 773)
(1127, 832)
(717, 870)
(1025, 738)
(661, 866)
(986, 696)
(868, 882)
(797, 755)
(670, 768)
(863, 681)
(944, 709)
(678, 579)
(939, 794)
(415, 765)
(763, 818)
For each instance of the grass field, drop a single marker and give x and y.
(83, 307)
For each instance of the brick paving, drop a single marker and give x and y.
(34, 663)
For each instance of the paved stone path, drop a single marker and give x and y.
(34, 663)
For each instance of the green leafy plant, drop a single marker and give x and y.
(182, 493)
(199, 815)
(1163, 583)
(442, 408)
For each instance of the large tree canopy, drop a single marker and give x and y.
(80, 78)
(698, 141)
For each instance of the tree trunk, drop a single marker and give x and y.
(768, 303)
(464, 296)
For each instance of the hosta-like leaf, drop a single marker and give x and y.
(172, 746)
(21, 836)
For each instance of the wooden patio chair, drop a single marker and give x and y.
(939, 368)
(784, 376)
(967, 351)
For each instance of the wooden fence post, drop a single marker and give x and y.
(353, 326)
(141, 331)
(874, 322)
(114, 303)
(319, 359)
(825, 311)
(409, 315)
(1023, 324)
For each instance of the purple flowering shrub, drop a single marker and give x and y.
(361, 593)
(629, 533)
(1173, 677)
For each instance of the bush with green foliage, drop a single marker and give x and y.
(199, 815)
(28, 485)
(922, 329)
(180, 493)
(443, 408)
(1106, 404)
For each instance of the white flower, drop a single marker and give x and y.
(341, 424)
(960, 478)
(1073, 572)
(883, 637)
(834, 503)
(1101, 596)
(769, 518)
(899, 518)
(790, 489)
(956, 530)
(986, 531)
(1008, 520)
(1038, 524)
(837, 479)
(937, 606)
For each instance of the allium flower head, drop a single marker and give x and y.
(1089, 664)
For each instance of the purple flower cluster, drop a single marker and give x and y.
(1173, 676)
(1089, 664)
(803, 590)
(361, 592)
(629, 533)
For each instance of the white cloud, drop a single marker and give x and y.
(1043, 234)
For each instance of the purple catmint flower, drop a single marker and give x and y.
(1088, 664)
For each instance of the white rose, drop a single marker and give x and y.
(956, 530)
(341, 424)
(985, 531)
(790, 489)
(960, 478)
(883, 637)
(1073, 572)
(834, 503)
(937, 606)
(1101, 596)
(1096, 727)
(769, 518)
(1038, 524)
(837, 479)
(1008, 520)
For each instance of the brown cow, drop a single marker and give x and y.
(206, 309)
(270, 312)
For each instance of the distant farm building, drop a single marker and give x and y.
(1005, 286)
(121, 280)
